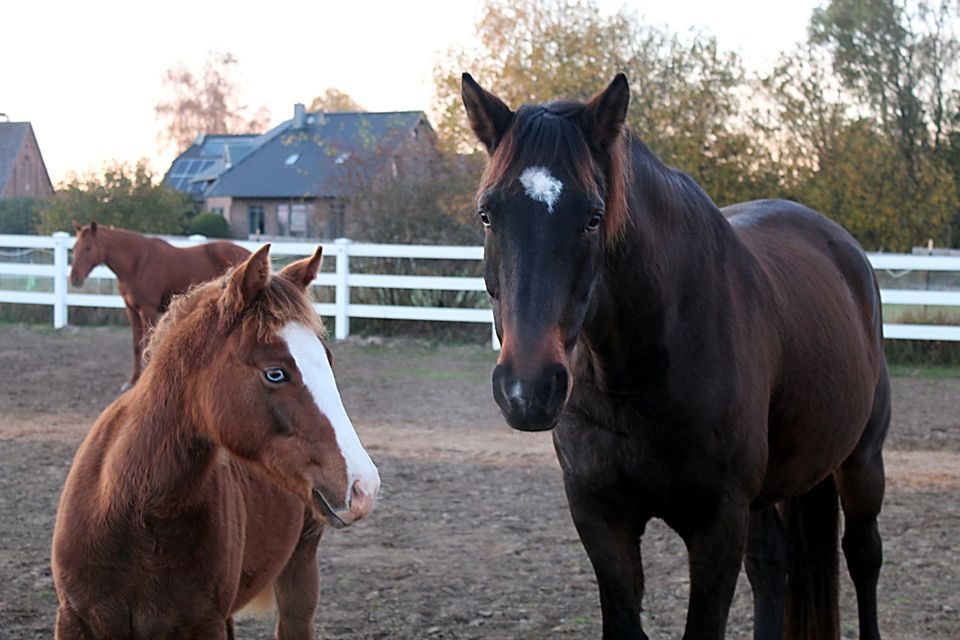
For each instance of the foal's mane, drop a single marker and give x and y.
(556, 131)
(196, 315)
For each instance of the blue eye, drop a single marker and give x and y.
(275, 375)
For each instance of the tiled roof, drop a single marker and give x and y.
(323, 158)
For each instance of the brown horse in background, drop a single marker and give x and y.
(721, 370)
(149, 272)
(208, 485)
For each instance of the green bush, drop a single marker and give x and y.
(210, 224)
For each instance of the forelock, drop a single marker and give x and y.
(543, 135)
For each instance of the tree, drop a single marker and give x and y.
(895, 57)
(123, 196)
(332, 100)
(208, 101)
(685, 94)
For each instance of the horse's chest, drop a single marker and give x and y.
(657, 468)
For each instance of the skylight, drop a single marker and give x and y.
(293, 158)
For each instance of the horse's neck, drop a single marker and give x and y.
(674, 252)
(159, 459)
(122, 249)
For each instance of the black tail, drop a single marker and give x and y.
(812, 610)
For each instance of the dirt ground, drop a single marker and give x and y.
(471, 538)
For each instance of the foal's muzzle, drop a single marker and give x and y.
(359, 504)
(531, 403)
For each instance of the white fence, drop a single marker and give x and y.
(14, 247)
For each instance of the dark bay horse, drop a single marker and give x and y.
(720, 370)
(208, 485)
(149, 272)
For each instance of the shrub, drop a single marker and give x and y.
(210, 224)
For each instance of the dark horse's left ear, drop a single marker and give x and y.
(303, 272)
(489, 116)
(606, 112)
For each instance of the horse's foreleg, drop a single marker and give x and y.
(716, 552)
(298, 589)
(146, 318)
(136, 328)
(766, 562)
(613, 546)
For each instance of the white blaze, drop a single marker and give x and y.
(311, 359)
(541, 186)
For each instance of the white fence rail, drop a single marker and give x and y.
(58, 296)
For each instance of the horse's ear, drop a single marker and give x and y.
(247, 281)
(607, 111)
(304, 271)
(93, 227)
(489, 116)
(76, 226)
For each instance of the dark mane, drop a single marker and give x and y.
(555, 132)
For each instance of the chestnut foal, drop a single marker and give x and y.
(208, 485)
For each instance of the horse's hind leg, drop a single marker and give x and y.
(766, 564)
(298, 588)
(860, 483)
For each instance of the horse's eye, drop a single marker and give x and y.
(594, 223)
(276, 375)
(484, 217)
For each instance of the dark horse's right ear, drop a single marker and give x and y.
(246, 282)
(489, 116)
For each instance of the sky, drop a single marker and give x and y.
(88, 74)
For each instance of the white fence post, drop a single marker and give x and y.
(342, 329)
(60, 239)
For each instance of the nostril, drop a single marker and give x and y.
(361, 502)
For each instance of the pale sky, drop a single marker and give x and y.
(88, 73)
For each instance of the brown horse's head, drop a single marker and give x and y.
(552, 199)
(88, 252)
(257, 378)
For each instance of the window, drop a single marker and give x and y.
(336, 222)
(257, 220)
(292, 220)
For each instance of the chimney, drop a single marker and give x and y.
(299, 115)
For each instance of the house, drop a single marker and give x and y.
(208, 157)
(22, 171)
(301, 178)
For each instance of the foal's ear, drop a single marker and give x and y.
(304, 271)
(247, 281)
(607, 111)
(489, 116)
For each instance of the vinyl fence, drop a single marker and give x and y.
(35, 270)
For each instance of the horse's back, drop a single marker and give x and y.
(225, 254)
(822, 309)
(813, 263)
